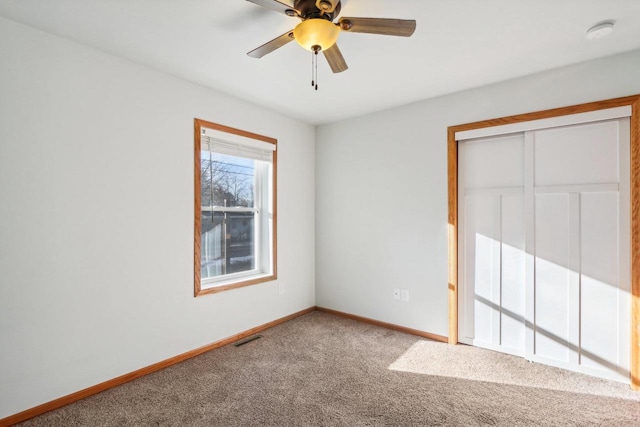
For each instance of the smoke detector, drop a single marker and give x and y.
(600, 30)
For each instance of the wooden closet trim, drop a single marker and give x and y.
(452, 155)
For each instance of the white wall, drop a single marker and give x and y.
(381, 189)
(96, 218)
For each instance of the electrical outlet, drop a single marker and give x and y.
(280, 288)
(396, 293)
(404, 295)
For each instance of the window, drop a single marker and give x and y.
(235, 208)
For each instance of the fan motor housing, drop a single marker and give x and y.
(308, 10)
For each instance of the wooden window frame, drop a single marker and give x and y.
(251, 280)
(452, 155)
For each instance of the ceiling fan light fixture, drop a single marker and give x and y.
(316, 32)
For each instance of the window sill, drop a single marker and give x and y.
(215, 287)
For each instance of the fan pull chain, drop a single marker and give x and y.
(314, 66)
(313, 81)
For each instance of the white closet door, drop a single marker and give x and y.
(492, 306)
(581, 288)
(543, 238)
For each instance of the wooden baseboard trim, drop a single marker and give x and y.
(422, 334)
(90, 391)
(74, 397)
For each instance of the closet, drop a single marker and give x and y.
(544, 240)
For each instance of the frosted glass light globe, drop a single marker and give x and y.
(316, 32)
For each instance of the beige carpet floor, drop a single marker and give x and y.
(323, 370)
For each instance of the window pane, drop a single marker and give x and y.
(226, 181)
(240, 241)
(227, 241)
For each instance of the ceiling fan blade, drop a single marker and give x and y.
(276, 6)
(335, 59)
(272, 45)
(387, 27)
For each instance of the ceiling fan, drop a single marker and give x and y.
(318, 33)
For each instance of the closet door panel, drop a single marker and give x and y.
(512, 318)
(600, 313)
(581, 154)
(552, 277)
(493, 162)
(482, 267)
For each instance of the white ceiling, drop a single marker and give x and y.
(458, 44)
